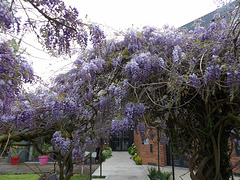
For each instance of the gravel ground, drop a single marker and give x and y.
(21, 168)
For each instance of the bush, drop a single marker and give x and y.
(132, 150)
(107, 148)
(138, 160)
(134, 156)
(107, 153)
(153, 174)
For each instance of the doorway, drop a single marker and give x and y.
(122, 143)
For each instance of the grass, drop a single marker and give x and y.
(80, 177)
(19, 176)
(36, 177)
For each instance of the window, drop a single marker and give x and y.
(237, 148)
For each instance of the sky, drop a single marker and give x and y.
(120, 15)
(125, 13)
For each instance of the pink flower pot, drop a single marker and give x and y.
(14, 160)
(43, 159)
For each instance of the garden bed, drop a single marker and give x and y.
(26, 168)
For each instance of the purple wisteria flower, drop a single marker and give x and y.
(134, 110)
(212, 74)
(98, 38)
(233, 77)
(14, 71)
(177, 54)
(60, 143)
(7, 19)
(132, 42)
(142, 66)
(116, 62)
(118, 92)
(195, 81)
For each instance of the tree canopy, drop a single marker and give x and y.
(185, 83)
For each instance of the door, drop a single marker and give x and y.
(122, 143)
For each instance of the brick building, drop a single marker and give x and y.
(235, 158)
(148, 151)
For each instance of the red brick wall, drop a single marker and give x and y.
(148, 157)
(234, 160)
(151, 157)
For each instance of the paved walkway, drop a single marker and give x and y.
(121, 167)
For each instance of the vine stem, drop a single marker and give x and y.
(6, 144)
(201, 61)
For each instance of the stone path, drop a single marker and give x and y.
(121, 167)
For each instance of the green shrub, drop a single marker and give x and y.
(134, 156)
(164, 175)
(138, 160)
(107, 148)
(107, 153)
(132, 150)
(153, 174)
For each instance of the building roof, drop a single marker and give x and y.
(224, 11)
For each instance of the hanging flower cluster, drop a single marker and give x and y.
(60, 143)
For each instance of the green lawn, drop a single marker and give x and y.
(80, 177)
(36, 176)
(20, 176)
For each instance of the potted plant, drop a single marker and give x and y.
(43, 159)
(14, 156)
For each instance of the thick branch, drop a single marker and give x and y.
(50, 18)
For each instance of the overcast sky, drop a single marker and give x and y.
(125, 13)
(120, 15)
